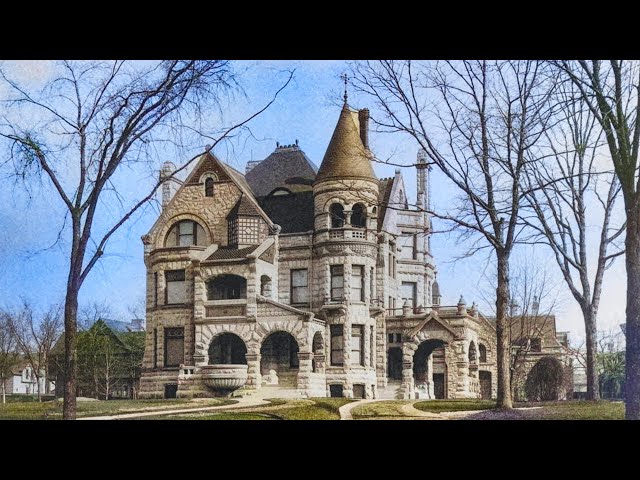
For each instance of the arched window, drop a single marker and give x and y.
(483, 353)
(336, 212)
(472, 352)
(208, 187)
(186, 233)
(280, 191)
(226, 287)
(359, 216)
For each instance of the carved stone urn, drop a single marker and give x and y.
(224, 379)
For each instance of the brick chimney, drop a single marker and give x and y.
(363, 117)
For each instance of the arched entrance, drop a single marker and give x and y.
(279, 352)
(227, 348)
(430, 370)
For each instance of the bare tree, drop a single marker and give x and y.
(9, 356)
(35, 338)
(564, 195)
(491, 115)
(530, 319)
(610, 90)
(91, 125)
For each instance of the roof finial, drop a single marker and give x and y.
(345, 78)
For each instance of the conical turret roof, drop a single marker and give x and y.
(346, 156)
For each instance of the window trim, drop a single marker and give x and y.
(414, 293)
(333, 276)
(292, 287)
(209, 184)
(357, 328)
(166, 286)
(339, 218)
(362, 283)
(167, 336)
(336, 346)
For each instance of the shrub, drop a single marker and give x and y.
(545, 380)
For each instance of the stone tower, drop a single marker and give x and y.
(345, 195)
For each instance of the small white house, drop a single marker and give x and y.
(23, 381)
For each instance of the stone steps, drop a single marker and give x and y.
(391, 391)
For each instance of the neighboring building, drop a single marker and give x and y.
(109, 360)
(533, 337)
(23, 381)
(321, 277)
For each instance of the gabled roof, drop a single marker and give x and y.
(209, 162)
(294, 212)
(432, 317)
(386, 186)
(244, 207)
(346, 156)
(287, 167)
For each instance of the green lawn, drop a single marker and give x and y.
(53, 410)
(391, 408)
(437, 406)
(575, 410)
(215, 416)
(280, 409)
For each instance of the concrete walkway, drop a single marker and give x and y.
(345, 410)
(242, 403)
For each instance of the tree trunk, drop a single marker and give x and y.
(502, 334)
(632, 380)
(70, 347)
(593, 388)
(4, 392)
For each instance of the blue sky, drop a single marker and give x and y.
(306, 110)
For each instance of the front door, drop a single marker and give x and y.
(485, 385)
(394, 363)
(438, 385)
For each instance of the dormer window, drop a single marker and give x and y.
(208, 187)
(358, 216)
(186, 233)
(336, 213)
(208, 179)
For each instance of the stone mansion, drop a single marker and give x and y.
(314, 279)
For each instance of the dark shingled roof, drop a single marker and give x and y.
(287, 167)
(294, 212)
(243, 207)
(346, 156)
(226, 253)
(386, 184)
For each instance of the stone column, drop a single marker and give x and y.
(430, 387)
(304, 372)
(408, 385)
(200, 355)
(320, 362)
(253, 372)
(462, 366)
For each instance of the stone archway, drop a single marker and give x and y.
(279, 363)
(227, 348)
(430, 369)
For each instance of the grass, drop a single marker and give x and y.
(576, 410)
(391, 408)
(437, 406)
(53, 410)
(216, 416)
(279, 409)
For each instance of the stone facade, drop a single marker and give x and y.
(345, 303)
